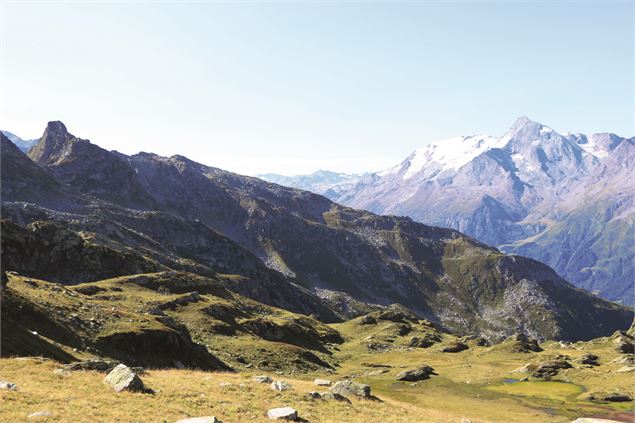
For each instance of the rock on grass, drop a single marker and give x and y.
(282, 413)
(347, 387)
(206, 419)
(123, 378)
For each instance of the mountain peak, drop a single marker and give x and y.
(525, 125)
(52, 143)
(56, 126)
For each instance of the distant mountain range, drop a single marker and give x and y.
(566, 200)
(323, 182)
(23, 145)
(280, 246)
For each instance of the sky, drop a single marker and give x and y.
(293, 87)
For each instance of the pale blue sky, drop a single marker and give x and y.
(294, 87)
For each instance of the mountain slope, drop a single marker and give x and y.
(532, 191)
(61, 218)
(438, 273)
(157, 320)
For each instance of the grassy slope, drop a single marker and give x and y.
(470, 384)
(237, 330)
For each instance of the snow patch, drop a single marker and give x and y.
(450, 154)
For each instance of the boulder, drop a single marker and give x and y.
(61, 372)
(522, 343)
(347, 387)
(281, 385)
(589, 360)
(424, 342)
(617, 397)
(367, 320)
(282, 413)
(482, 342)
(624, 345)
(455, 347)
(314, 395)
(123, 378)
(262, 379)
(8, 385)
(39, 415)
(413, 375)
(331, 396)
(206, 419)
(322, 382)
(548, 369)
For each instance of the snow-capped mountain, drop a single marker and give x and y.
(23, 145)
(324, 182)
(566, 200)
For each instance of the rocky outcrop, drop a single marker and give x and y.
(455, 347)
(414, 375)
(523, 344)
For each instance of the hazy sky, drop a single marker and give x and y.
(291, 88)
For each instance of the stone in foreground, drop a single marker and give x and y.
(282, 413)
(322, 382)
(281, 385)
(347, 387)
(39, 414)
(8, 385)
(314, 395)
(262, 379)
(206, 419)
(123, 378)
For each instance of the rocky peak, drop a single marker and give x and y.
(525, 129)
(53, 145)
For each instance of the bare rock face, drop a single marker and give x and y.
(123, 378)
(347, 387)
(282, 413)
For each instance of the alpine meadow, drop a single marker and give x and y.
(317, 212)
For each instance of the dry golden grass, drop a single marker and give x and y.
(82, 397)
